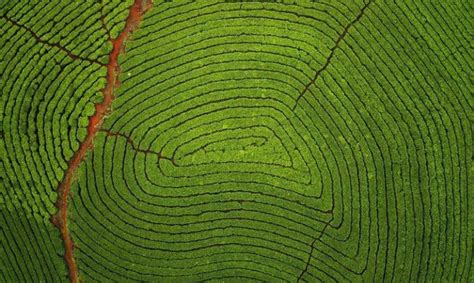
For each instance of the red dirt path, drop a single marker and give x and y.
(136, 12)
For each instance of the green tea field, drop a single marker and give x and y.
(236, 141)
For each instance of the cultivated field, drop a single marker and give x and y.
(236, 141)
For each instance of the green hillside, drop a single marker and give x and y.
(236, 141)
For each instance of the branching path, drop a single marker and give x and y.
(61, 218)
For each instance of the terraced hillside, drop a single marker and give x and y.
(236, 141)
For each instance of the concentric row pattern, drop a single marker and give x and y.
(314, 141)
(52, 70)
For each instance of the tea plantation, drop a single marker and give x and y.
(236, 141)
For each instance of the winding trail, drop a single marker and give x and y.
(134, 17)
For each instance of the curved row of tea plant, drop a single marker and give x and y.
(325, 141)
(52, 70)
